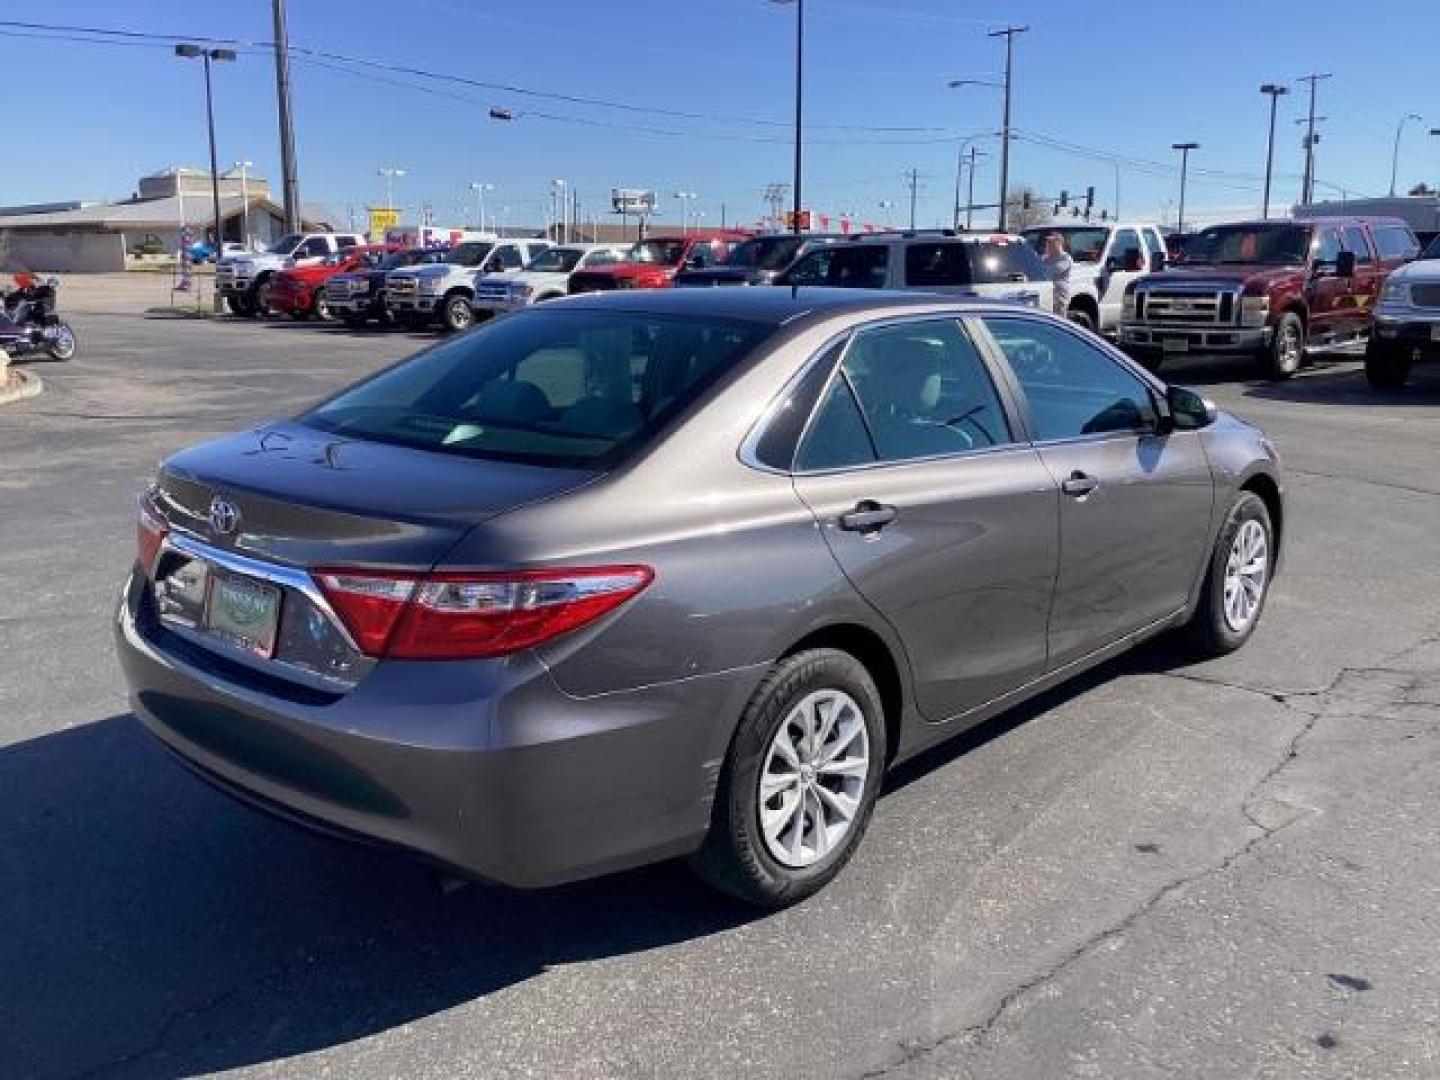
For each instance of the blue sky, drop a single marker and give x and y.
(1121, 77)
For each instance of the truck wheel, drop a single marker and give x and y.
(354, 322)
(244, 305)
(1387, 366)
(320, 307)
(1080, 317)
(1287, 347)
(259, 298)
(455, 313)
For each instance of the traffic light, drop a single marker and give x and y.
(1064, 197)
(1025, 200)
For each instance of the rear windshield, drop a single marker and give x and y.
(575, 389)
(960, 262)
(839, 266)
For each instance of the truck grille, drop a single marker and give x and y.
(1207, 308)
(402, 286)
(224, 273)
(345, 288)
(1427, 296)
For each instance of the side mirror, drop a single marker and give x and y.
(1188, 410)
(1345, 264)
(1157, 261)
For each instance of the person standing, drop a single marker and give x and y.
(1059, 264)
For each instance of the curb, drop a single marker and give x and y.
(178, 313)
(29, 386)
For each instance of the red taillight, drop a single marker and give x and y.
(447, 616)
(150, 530)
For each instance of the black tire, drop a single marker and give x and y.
(735, 857)
(256, 299)
(1286, 352)
(354, 322)
(320, 307)
(455, 314)
(64, 348)
(1081, 317)
(1209, 632)
(1387, 365)
(245, 305)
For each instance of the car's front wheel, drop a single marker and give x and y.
(1237, 582)
(1387, 365)
(455, 313)
(1287, 347)
(800, 781)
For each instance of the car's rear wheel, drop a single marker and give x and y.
(1237, 581)
(455, 313)
(1387, 365)
(1081, 317)
(799, 783)
(1287, 347)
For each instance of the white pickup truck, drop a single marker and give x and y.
(240, 278)
(544, 277)
(443, 290)
(1107, 256)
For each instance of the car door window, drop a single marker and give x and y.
(1074, 388)
(1126, 250)
(1327, 249)
(849, 267)
(919, 389)
(315, 248)
(1355, 241)
(1395, 242)
(346, 242)
(510, 258)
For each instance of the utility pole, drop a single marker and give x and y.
(1276, 92)
(289, 185)
(1395, 158)
(1184, 148)
(914, 185)
(970, 190)
(1307, 186)
(1008, 33)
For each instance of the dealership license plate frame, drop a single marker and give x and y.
(226, 618)
(1175, 345)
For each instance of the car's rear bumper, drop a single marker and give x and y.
(485, 767)
(1183, 338)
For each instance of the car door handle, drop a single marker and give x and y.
(1079, 484)
(868, 516)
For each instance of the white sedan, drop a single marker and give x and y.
(545, 277)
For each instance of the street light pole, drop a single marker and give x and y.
(1184, 149)
(1275, 91)
(188, 51)
(1395, 157)
(389, 174)
(799, 106)
(479, 189)
(289, 184)
(1008, 33)
(686, 198)
(244, 168)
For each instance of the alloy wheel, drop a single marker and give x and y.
(1247, 571)
(813, 777)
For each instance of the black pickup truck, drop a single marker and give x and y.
(359, 296)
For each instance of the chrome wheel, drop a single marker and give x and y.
(62, 345)
(1288, 350)
(813, 778)
(457, 313)
(1247, 571)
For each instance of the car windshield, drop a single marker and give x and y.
(556, 260)
(766, 252)
(660, 252)
(573, 389)
(1237, 245)
(469, 254)
(1432, 250)
(285, 245)
(1085, 243)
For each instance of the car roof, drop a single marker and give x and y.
(775, 305)
(1328, 219)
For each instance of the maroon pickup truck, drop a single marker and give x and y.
(653, 262)
(1267, 289)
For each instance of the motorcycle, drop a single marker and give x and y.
(28, 322)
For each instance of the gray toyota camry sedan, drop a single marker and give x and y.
(642, 575)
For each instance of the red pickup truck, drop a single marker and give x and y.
(300, 290)
(653, 262)
(1267, 289)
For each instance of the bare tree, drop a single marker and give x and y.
(1018, 215)
(1421, 188)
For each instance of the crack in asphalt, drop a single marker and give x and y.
(976, 1033)
(1411, 489)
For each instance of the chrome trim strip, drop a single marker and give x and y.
(286, 576)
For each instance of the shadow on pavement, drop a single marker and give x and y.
(155, 928)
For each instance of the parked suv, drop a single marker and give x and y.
(359, 296)
(1107, 257)
(755, 262)
(544, 277)
(1268, 289)
(443, 291)
(997, 266)
(1407, 320)
(654, 262)
(241, 279)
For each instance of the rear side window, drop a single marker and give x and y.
(998, 263)
(843, 267)
(1395, 242)
(567, 388)
(1355, 241)
(1073, 388)
(958, 262)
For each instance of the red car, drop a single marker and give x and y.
(653, 262)
(300, 291)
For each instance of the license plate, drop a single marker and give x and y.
(1435, 332)
(244, 612)
(1175, 344)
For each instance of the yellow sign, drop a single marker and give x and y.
(382, 218)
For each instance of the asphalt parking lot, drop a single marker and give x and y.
(1220, 870)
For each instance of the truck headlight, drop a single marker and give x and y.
(521, 292)
(1254, 310)
(1395, 292)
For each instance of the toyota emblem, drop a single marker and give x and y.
(224, 516)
